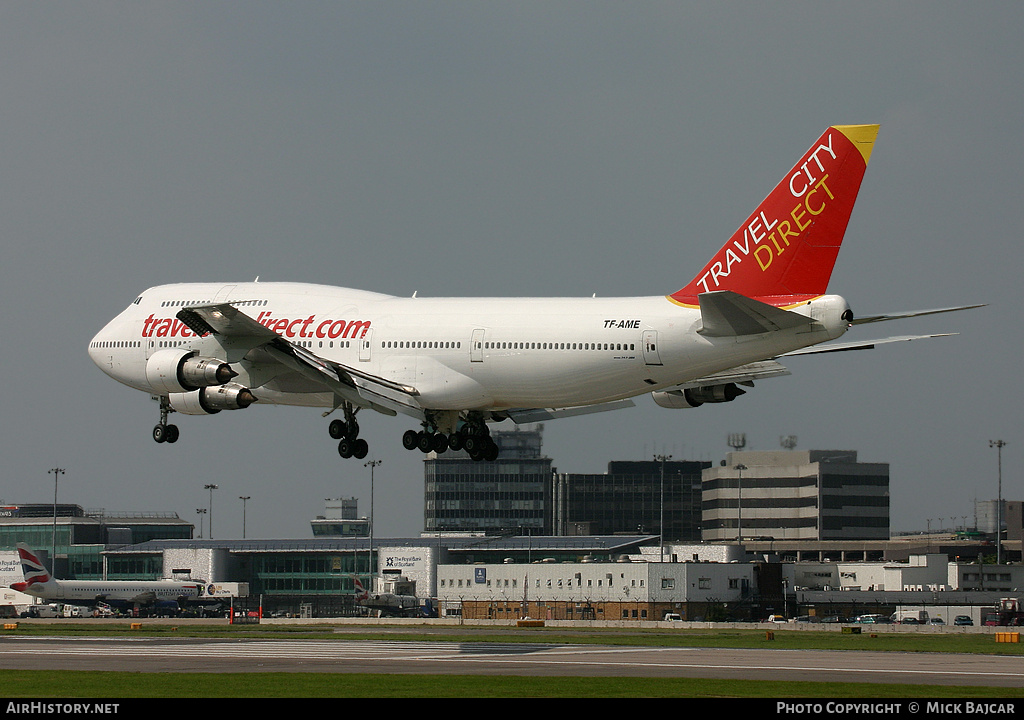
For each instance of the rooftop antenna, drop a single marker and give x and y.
(788, 441)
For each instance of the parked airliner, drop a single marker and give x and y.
(457, 364)
(41, 584)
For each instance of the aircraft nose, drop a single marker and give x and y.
(101, 342)
(114, 350)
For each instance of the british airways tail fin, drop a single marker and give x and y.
(32, 568)
(784, 252)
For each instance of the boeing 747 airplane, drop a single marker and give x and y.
(456, 364)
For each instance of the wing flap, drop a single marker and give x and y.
(522, 416)
(742, 375)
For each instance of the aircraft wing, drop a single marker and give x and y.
(522, 416)
(741, 375)
(144, 598)
(239, 334)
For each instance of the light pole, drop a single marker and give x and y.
(57, 472)
(661, 521)
(211, 487)
(739, 503)
(244, 498)
(998, 445)
(201, 512)
(372, 464)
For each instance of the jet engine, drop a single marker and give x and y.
(174, 370)
(211, 400)
(695, 397)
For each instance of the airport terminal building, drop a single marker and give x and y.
(786, 531)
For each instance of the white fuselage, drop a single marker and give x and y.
(91, 591)
(459, 354)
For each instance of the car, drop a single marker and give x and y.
(936, 621)
(776, 619)
(963, 620)
(872, 619)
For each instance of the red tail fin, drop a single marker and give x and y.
(786, 249)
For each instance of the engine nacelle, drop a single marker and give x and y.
(695, 397)
(211, 400)
(174, 370)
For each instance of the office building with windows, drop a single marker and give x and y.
(820, 495)
(633, 496)
(509, 495)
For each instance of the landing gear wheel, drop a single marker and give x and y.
(410, 439)
(425, 441)
(490, 453)
(171, 433)
(455, 441)
(440, 442)
(163, 432)
(339, 429)
(360, 448)
(345, 448)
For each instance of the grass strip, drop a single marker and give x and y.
(124, 685)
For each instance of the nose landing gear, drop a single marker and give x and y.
(162, 432)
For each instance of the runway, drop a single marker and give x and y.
(147, 654)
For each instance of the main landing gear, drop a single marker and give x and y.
(474, 438)
(346, 432)
(162, 432)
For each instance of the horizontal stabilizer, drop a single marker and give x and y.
(914, 313)
(865, 345)
(729, 314)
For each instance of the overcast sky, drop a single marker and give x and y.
(497, 148)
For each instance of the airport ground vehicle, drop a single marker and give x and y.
(1008, 611)
(909, 617)
(872, 619)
